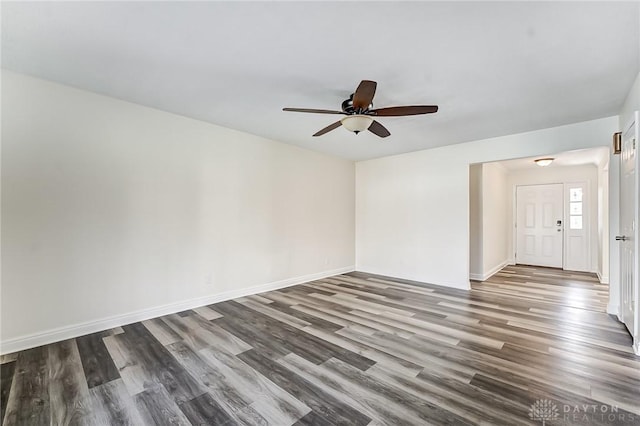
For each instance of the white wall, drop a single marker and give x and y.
(631, 104)
(475, 221)
(487, 219)
(613, 307)
(412, 210)
(495, 210)
(553, 174)
(603, 222)
(112, 212)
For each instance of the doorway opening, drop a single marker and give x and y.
(554, 216)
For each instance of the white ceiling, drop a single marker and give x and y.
(493, 68)
(580, 157)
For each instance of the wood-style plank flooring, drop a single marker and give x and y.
(575, 289)
(354, 349)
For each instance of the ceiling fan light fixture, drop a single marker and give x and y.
(357, 123)
(544, 162)
(360, 113)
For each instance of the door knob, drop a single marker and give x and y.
(621, 238)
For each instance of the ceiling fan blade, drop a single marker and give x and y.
(404, 110)
(378, 129)
(329, 128)
(364, 94)
(316, 111)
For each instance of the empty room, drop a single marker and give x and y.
(320, 213)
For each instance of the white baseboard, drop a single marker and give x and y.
(602, 278)
(463, 285)
(636, 347)
(75, 330)
(613, 309)
(491, 272)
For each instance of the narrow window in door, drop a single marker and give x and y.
(575, 208)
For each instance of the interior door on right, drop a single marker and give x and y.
(627, 229)
(539, 229)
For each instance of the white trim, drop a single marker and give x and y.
(466, 285)
(613, 310)
(514, 225)
(69, 332)
(602, 278)
(492, 271)
(636, 347)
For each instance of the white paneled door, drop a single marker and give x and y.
(539, 230)
(628, 206)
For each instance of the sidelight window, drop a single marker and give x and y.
(575, 208)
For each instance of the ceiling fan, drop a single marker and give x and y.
(359, 113)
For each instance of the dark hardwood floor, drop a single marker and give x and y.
(354, 349)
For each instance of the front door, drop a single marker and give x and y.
(627, 229)
(539, 229)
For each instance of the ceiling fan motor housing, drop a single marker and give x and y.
(347, 106)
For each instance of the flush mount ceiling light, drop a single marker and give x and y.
(356, 123)
(544, 162)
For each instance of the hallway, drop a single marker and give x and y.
(550, 285)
